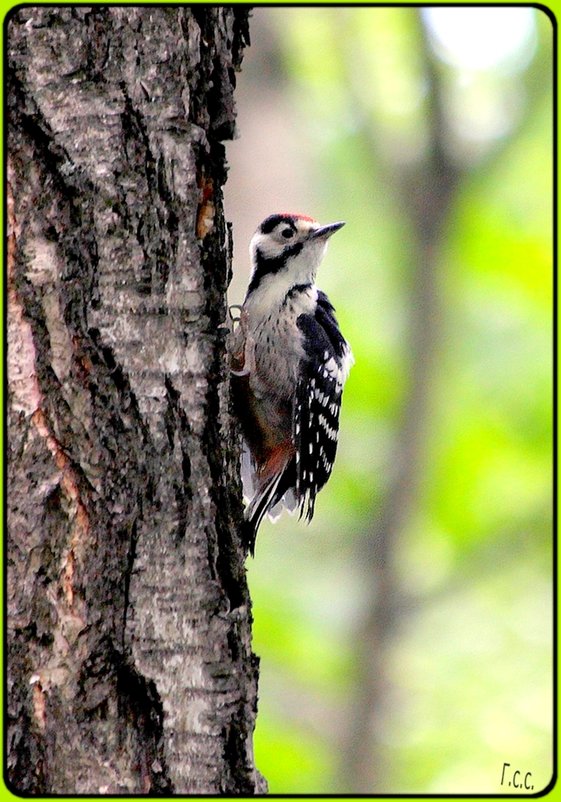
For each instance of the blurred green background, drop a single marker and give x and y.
(405, 636)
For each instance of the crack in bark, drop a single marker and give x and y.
(177, 423)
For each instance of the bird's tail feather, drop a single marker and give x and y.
(258, 508)
(277, 490)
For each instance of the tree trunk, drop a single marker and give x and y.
(130, 663)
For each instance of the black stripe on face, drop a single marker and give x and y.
(271, 222)
(298, 288)
(265, 266)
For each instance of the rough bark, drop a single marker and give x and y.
(129, 623)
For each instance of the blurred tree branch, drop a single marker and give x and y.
(425, 193)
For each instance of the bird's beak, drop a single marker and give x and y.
(324, 232)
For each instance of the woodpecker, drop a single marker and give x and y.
(289, 362)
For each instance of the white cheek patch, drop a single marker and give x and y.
(266, 245)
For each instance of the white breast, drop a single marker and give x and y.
(278, 342)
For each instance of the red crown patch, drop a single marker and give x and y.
(298, 216)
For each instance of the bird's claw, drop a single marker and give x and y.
(232, 318)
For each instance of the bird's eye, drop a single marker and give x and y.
(287, 233)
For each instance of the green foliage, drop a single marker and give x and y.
(468, 666)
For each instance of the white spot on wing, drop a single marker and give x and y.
(347, 361)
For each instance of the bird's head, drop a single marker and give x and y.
(290, 247)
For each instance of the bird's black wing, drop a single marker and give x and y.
(318, 401)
